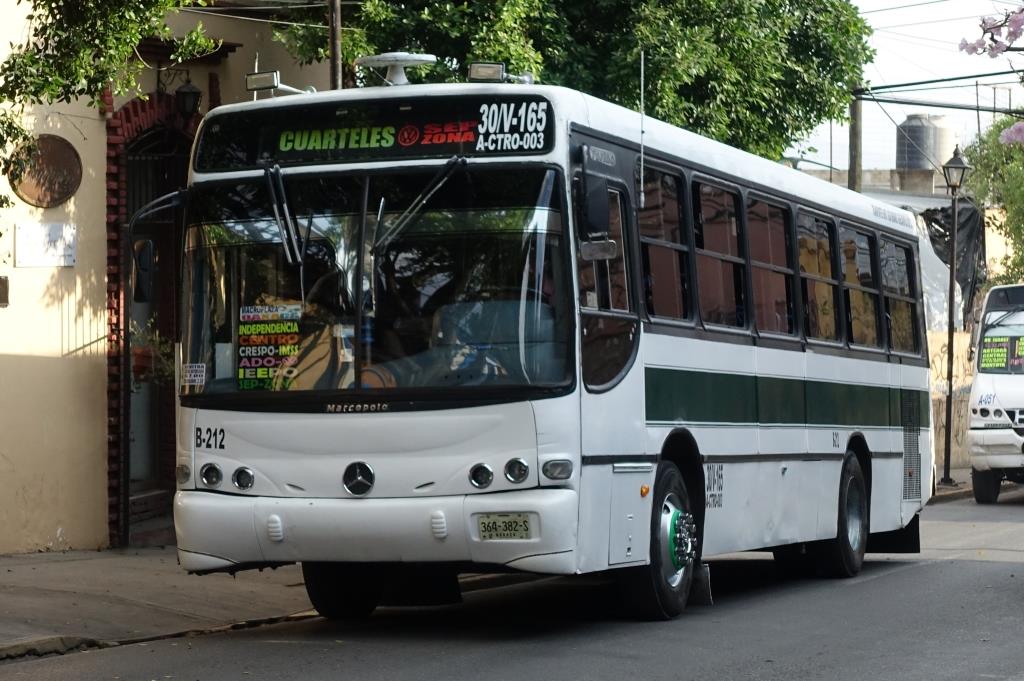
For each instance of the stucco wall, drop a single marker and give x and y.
(52, 353)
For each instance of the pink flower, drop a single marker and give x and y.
(997, 48)
(1013, 134)
(1015, 21)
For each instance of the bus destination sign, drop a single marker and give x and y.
(377, 130)
(1002, 353)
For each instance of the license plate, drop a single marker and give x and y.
(498, 526)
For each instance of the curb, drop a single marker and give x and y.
(952, 496)
(60, 645)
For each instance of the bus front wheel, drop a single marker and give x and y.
(342, 591)
(844, 555)
(659, 591)
(986, 485)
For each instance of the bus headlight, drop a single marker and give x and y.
(557, 469)
(210, 475)
(243, 478)
(516, 470)
(481, 475)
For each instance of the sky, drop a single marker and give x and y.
(917, 40)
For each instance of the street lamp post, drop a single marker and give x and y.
(955, 170)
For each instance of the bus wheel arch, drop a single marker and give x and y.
(858, 446)
(680, 448)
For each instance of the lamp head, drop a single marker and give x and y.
(956, 170)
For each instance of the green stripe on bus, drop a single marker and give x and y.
(675, 395)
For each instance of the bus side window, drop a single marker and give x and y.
(720, 264)
(769, 236)
(663, 247)
(900, 303)
(818, 285)
(860, 286)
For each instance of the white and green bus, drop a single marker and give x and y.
(437, 329)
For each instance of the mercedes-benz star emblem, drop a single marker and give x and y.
(358, 478)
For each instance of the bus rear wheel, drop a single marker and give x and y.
(844, 555)
(659, 591)
(986, 485)
(342, 591)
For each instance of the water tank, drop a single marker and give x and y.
(923, 142)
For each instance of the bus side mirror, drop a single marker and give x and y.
(595, 207)
(143, 272)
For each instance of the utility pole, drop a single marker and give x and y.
(977, 105)
(335, 36)
(856, 158)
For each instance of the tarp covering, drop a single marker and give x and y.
(971, 272)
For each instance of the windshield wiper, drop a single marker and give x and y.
(443, 174)
(293, 251)
(999, 321)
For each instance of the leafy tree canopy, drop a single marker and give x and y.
(74, 49)
(998, 177)
(758, 74)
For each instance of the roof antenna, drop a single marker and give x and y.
(642, 189)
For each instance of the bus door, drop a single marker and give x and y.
(613, 431)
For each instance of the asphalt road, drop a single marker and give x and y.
(952, 612)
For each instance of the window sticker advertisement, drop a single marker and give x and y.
(268, 345)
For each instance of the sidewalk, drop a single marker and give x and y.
(58, 602)
(962, 490)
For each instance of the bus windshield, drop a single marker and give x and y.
(391, 281)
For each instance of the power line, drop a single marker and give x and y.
(930, 21)
(266, 21)
(916, 4)
(950, 79)
(939, 105)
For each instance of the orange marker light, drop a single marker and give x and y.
(645, 490)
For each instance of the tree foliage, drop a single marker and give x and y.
(758, 74)
(998, 177)
(75, 49)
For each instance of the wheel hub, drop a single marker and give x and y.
(678, 540)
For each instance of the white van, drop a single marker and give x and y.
(996, 435)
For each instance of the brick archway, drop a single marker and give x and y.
(124, 126)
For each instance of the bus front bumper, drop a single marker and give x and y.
(220, 532)
(995, 448)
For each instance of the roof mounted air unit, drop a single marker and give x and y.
(396, 63)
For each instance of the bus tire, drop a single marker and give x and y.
(342, 591)
(659, 591)
(844, 555)
(986, 485)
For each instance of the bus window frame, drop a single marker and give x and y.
(881, 329)
(747, 328)
(686, 245)
(793, 272)
(915, 298)
(831, 222)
